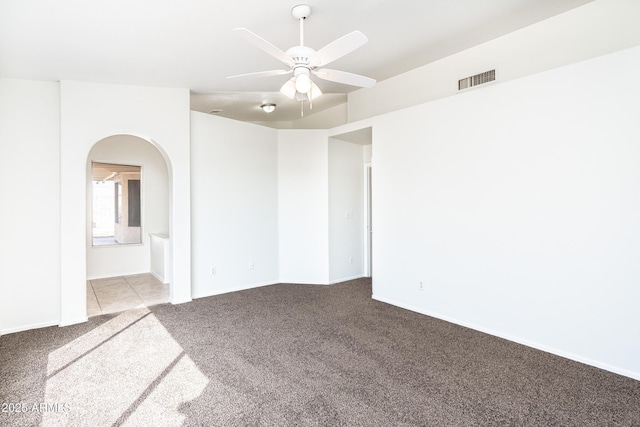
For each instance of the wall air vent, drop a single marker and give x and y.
(478, 79)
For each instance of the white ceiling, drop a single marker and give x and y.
(190, 43)
(103, 171)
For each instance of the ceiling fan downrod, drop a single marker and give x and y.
(302, 12)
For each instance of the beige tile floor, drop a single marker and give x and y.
(115, 294)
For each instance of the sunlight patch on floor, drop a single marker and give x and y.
(127, 370)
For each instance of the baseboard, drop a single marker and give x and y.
(157, 276)
(74, 321)
(331, 282)
(235, 289)
(532, 344)
(119, 275)
(299, 282)
(7, 331)
(346, 279)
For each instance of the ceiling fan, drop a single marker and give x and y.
(303, 61)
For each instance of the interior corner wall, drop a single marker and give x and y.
(89, 113)
(303, 196)
(234, 171)
(30, 213)
(517, 207)
(122, 260)
(346, 211)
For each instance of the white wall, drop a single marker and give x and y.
(30, 213)
(346, 211)
(517, 207)
(91, 112)
(234, 172)
(367, 152)
(594, 29)
(120, 260)
(303, 196)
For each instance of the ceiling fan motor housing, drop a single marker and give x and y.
(302, 55)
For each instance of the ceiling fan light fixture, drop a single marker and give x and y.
(289, 89)
(303, 83)
(268, 108)
(315, 91)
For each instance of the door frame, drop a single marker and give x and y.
(368, 221)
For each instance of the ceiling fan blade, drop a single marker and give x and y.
(264, 45)
(344, 77)
(340, 47)
(263, 74)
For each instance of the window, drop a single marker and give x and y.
(117, 212)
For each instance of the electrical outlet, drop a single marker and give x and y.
(350, 260)
(420, 286)
(213, 271)
(251, 265)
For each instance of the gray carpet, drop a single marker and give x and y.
(297, 355)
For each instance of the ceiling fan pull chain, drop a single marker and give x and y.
(301, 108)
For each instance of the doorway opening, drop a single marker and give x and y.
(128, 201)
(364, 138)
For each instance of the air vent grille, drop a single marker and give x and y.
(478, 79)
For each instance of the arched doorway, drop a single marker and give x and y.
(118, 272)
(89, 112)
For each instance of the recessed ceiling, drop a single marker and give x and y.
(245, 106)
(190, 44)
